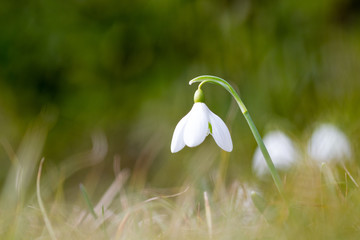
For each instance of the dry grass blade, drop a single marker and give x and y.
(350, 176)
(107, 198)
(25, 162)
(121, 226)
(167, 196)
(110, 194)
(208, 215)
(88, 158)
(41, 205)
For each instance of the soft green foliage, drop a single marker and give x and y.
(97, 87)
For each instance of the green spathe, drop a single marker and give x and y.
(199, 96)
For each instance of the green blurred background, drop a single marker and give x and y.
(121, 69)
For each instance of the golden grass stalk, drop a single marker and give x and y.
(41, 205)
(208, 215)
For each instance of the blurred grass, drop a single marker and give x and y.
(97, 87)
(321, 203)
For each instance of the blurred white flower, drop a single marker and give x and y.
(196, 125)
(329, 144)
(282, 152)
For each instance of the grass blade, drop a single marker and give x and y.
(87, 200)
(208, 214)
(41, 205)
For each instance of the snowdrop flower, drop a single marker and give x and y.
(197, 124)
(281, 149)
(329, 144)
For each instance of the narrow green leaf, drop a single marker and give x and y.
(87, 200)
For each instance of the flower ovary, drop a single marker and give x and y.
(199, 96)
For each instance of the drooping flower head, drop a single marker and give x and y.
(329, 144)
(281, 149)
(199, 123)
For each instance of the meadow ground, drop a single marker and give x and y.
(320, 201)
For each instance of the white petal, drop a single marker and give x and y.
(197, 125)
(329, 144)
(177, 142)
(220, 132)
(281, 149)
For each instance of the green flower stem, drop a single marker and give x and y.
(216, 80)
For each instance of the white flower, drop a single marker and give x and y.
(329, 144)
(282, 152)
(196, 125)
